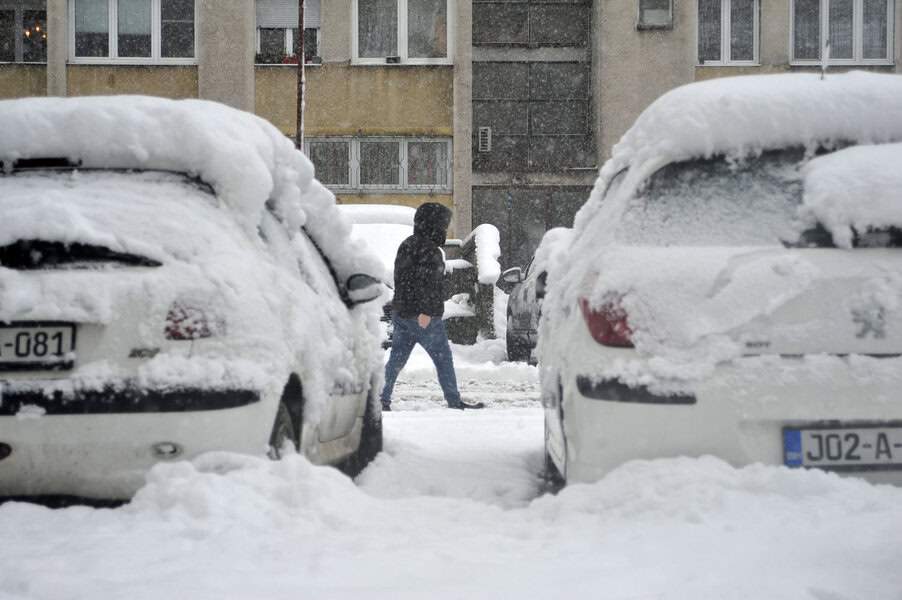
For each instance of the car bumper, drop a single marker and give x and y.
(100, 444)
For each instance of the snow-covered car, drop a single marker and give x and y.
(524, 306)
(734, 284)
(173, 281)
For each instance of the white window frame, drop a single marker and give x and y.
(19, 18)
(450, 7)
(403, 187)
(857, 32)
(288, 46)
(156, 32)
(726, 24)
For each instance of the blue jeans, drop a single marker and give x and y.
(434, 339)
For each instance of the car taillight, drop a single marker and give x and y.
(188, 322)
(608, 324)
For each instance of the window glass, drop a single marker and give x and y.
(654, 13)
(709, 30)
(34, 36)
(272, 45)
(7, 35)
(875, 28)
(177, 28)
(806, 29)
(841, 37)
(311, 42)
(379, 163)
(426, 163)
(92, 28)
(134, 28)
(331, 161)
(427, 28)
(377, 28)
(742, 30)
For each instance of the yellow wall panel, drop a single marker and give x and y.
(150, 80)
(20, 81)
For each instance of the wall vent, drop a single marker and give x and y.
(485, 139)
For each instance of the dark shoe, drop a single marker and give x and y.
(386, 407)
(466, 405)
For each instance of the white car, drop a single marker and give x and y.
(734, 285)
(173, 281)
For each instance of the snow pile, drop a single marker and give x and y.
(240, 527)
(459, 306)
(855, 188)
(488, 250)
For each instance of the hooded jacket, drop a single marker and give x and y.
(420, 265)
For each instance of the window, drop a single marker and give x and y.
(655, 14)
(402, 31)
(277, 31)
(843, 31)
(727, 32)
(371, 164)
(133, 31)
(23, 33)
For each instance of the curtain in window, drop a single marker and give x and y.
(272, 46)
(875, 28)
(426, 163)
(377, 28)
(330, 160)
(842, 25)
(379, 164)
(709, 30)
(427, 28)
(742, 30)
(177, 28)
(92, 27)
(806, 29)
(7, 35)
(134, 28)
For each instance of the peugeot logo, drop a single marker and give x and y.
(871, 321)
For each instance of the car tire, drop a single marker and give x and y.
(552, 477)
(370, 436)
(282, 433)
(517, 351)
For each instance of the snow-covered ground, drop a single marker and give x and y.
(454, 509)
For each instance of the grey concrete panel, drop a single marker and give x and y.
(504, 117)
(552, 153)
(522, 54)
(560, 118)
(558, 25)
(558, 81)
(509, 154)
(499, 23)
(501, 81)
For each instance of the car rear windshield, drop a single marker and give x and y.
(27, 255)
(719, 202)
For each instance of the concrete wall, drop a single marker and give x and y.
(371, 100)
(153, 80)
(20, 81)
(57, 46)
(227, 35)
(335, 34)
(463, 120)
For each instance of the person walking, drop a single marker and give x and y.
(419, 304)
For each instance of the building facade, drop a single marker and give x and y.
(502, 109)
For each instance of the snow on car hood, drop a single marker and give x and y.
(855, 188)
(246, 160)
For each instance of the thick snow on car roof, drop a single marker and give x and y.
(246, 160)
(382, 214)
(740, 116)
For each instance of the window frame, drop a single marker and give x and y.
(19, 42)
(404, 59)
(857, 32)
(287, 46)
(156, 41)
(403, 187)
(726, 46)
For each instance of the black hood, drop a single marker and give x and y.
(431, 221)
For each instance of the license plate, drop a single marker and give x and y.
(50, 345)
(844, 448)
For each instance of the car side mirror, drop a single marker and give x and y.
(512, 276)
(362, 288)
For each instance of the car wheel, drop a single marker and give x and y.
(370, 436)
(552, 477)
(282, 434)
(517, 351)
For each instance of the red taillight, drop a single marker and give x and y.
(187, 322)
(608, 324)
